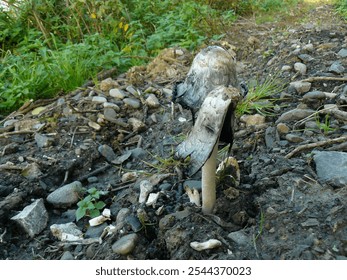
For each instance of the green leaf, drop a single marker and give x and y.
(100, 205)
(94, 213)
(80, 213)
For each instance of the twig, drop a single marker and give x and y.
(6, 134)
(315, 145)
(10, 167)
(2, 236)
(96, 171)
(314, 79)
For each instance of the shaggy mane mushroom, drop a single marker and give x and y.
(210, 90)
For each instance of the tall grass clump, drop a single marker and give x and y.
(50, 46)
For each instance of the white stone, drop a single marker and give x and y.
(67, 232)
(201, 246)
(99, 99)
(117, 93)
(300, 67)
(145, 188)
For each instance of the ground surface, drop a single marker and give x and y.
(280, 210)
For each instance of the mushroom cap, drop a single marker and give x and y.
(210, 124)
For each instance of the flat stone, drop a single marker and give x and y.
(111, 105)
(117, 93)
(337, 68)
(252, 120)
(66, 232)
(295, 115)
(107, 152)
(42, 141)
(99, 99)
(311, 222)
(132, 102)
(125, 245)
(300, 87)
(131, 89)
(239, 237)
(308, 47)
(67, 195)
(314, 96)
(331, 167)
(294, 138)
(33, 218)
(305, 57)
(286, 68)
(342, 53)
(110, 114)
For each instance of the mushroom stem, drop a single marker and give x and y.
(208, 182)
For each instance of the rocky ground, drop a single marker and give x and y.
(117, 139)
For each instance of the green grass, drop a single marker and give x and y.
(260, 97)
(341, 7)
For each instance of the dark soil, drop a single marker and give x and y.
(280, 209)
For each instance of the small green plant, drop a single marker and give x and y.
(260, 97)
(90, 205)
(325, 126)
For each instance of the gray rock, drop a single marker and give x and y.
(67, 256)
(32, 171)
(314, 96)
(110, 114)
(239, 237)
(270, 137)
(33, 218)
(152, 101)
(331, 167)
(308, 47)
(134, 223)
(95, 232)
(132, 102)
(131, 89)
(66, 195)
(295, 115)
(294, 138)
(305, 57)
(117, 93)
(111, 105)
(43, 141)
(125, 245)
(99, 99)
(310, 222)
(107, 152)
(342, 53)
(286, 68)
(138, 153)
(337, 68)
(66, 232)
(300, 67)
(300, 87)
(121, 215)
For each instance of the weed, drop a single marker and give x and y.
(325, 126)
(90, 205)
(260, 97)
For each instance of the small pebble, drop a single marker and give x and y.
(117, 93)
(300, 67)
(282, 128)
(337, 68)
(294, 138)
(152, 101)
(125, 245)
(132, 102)
(99, 99)
(300, 87)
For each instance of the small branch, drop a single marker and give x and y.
(6, 134)
(315, 79)
(315, 145)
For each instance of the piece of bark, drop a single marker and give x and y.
(208, 126)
